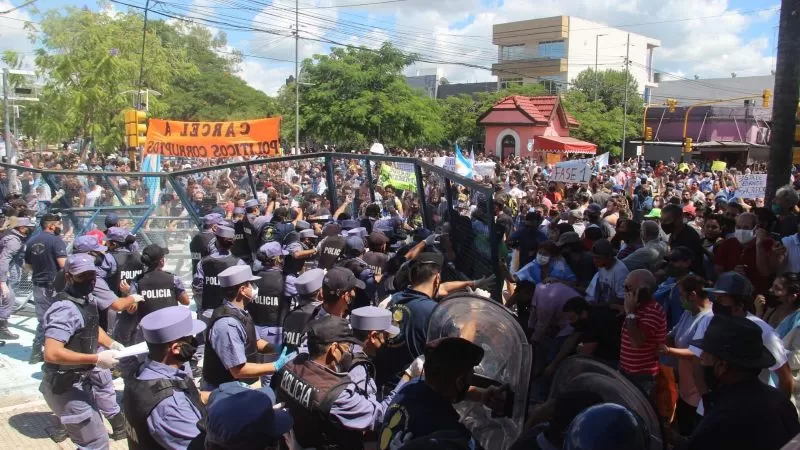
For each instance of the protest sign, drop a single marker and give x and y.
(574, 171)
(245, 138)
(400, 176)
(601, 161)
(485, 169)
(751, 186)
(718, 166)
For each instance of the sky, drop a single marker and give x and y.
(704, 38)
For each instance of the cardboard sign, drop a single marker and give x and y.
(402, 177)
(574, 171)
(245, 138)
(718, 166)
(751, 186)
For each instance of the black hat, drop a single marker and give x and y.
(152, 253)
(330, 329)
(603, 247)
(736, 340)
(429, 258)
(339, 279)
(454, 353)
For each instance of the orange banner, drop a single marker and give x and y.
(259, 137)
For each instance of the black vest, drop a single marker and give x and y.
(198, 247)
(331, 251)
(84, 340)
(250, 235)
(294, 327)
(361, 359)
(129, 266)
(292, 266)
(241, 245)
(212, 292)
(140, 399)
(376, 261)
(158, 289)
(213, 370)
(270, 308)
(309, 391)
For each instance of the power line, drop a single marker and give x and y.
(355, 4)
(29, 2)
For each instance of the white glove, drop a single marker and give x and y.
(107, 359)
(414, 370)
(137, 298)
(116, 346)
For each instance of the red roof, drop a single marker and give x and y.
(540, 110)
(563, 144)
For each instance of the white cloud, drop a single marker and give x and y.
(264, 78)
(13, 35)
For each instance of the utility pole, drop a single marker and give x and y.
(596, 52)
(296, 77)
(141, 61)
(787, 91)
(627, 82)
(6, 126)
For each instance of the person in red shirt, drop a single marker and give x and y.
(747, 252)
(644, 330)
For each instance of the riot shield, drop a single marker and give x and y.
(584, 373)
(507, 361)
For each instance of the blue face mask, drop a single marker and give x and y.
(776, 208)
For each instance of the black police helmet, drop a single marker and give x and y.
(607, 426)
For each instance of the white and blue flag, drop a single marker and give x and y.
(464, 167)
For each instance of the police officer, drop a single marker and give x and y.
(45, 254)
(240, 247)
(270, 306)
(11, 254)
(331, 247)
(372, 326)
(248, 232)
(297, 254)
(205, 283)
(309, 302)
(232, 346)
(353, 262)
(377, 257)
(162, 403)
(159, 288)
(202, 243)
(72, 336)
(338, 292)
(328, 409)
(120, 243)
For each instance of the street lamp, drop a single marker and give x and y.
(596, 52)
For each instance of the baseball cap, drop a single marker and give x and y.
(654, 213)
(331, 229)
(377, 238)
(153, 253)
(570, 237)
(117, 234)
(330, 329)
(429, 258)
(339, 279)
(355, 243)
(690, 209)
(85, 244)
(227, 427)
(603, 247)
(79, 263)
(112, 219)
(732, 283)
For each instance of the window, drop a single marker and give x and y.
(552, 49)
(512, 52)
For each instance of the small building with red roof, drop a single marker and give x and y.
(531, 127)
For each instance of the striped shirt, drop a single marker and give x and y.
(652, 321)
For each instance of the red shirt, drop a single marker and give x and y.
(652, 321)
(731, 253)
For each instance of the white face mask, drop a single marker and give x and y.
(743, 236)
(542, 259)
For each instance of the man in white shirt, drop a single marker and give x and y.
(515, 191)
(608, 284)
(731, 293)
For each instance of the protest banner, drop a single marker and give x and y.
(751, 186)
(259, 137)
(400, 176)
(573, 171)
(601, 161)
(485, 169)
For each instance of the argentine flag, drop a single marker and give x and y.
(464, 166)
(152, 163)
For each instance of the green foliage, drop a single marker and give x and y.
(356, 96)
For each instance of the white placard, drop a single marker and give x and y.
(751, 186)
(574, 171)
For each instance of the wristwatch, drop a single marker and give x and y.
(630, 316)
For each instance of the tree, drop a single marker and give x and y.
(597, 125)
(356, 96)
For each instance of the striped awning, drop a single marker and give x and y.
(562, 144)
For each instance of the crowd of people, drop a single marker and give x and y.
(320, 291)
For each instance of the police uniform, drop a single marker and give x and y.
(362, 369)
(308, 306)
(245, 235)
(329, 411)
(162, 403)
(205, 282)
(292, 267)
(202, 243)
(66, 388)
(330, 250)
(362, 271)
(410, 310)
(270, 306)
(42, 253)
(11, 255)
(377, 261)
(231, 339)
(128, 266)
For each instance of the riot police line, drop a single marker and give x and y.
(283, 301)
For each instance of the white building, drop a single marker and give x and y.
(558, 48)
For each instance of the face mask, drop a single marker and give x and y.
(187, 350)
(57, 231)
(743, 236)
(776, 208)
(721, 310)
(668, 228)
(255, 292)
(542, 259)
(81, 289)
(712, 382)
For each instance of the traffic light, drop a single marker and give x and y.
(135, 127)
(671, 104)
(648, 134)
(765, 95)
(687, 145)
